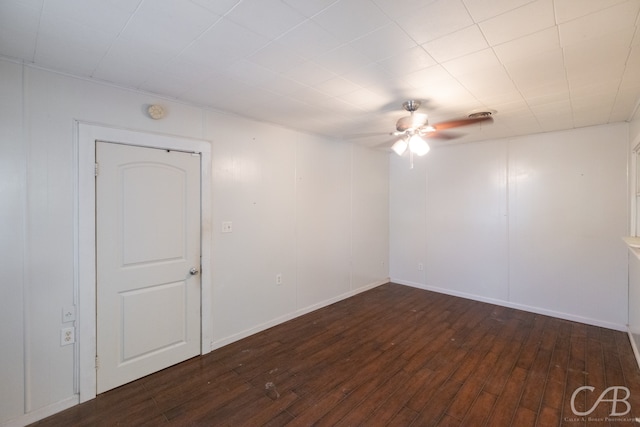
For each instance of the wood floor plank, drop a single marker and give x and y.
(506, 406)
(394, 355)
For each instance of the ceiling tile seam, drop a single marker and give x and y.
(416, 44)
(492, 47)
(35, 45)
(626, 62)
(307, 19)
(588, 14)
(113, 41)
(340, 46)
(206, 30)
(196, 39)
(566, 78)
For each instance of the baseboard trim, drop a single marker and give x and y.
(523, 307)
(42, 413)
(299, 312)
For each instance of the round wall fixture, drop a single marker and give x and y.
(156, 112)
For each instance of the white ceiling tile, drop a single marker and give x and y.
(352, 19)
(383, 42)
(552, 108)
(533, 44)
(435, 19)
(250, 73)
(490, 99)
(591, 117)
(310, 40)
(62, 57)
(69, 46)
(543, 97)
(337, 86)
(167, 26)
(630, 78)
(554, 123)
(595, 25)
(366, 98)
(214, 46)
(343, 59)
(624, 105)
(596, 91)
(431, 76)
(276, 57)
(286, 87)
(474, 61)
(375, 77)
(514, 107)
(611, 52)
(182, 69)
(636, 37)
(482, 10)
(309, 73)
(488, 81)
(396, 9)
(221, 7)
(556, 90)
(447, 98)
(309, 8)
(19, 28)
(129, 64)
(166, 84)
(460, 43)
(271, 18)
(540, 70)
(407, 61)
(225, 93)
(106, 17)
(567, 10)
(520, 22)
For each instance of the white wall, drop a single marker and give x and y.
(310, 208)
(530, 222)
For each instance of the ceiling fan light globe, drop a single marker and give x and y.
(399, 147)
(418, 145)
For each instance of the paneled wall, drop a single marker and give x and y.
(634, 262)
(531, 222)
(309, 208)
(12, 242)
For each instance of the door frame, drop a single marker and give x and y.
(85, 240)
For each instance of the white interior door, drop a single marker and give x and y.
(147, 260)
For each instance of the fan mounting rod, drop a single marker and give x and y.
(411, 105)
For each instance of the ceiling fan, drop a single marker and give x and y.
(415, 128)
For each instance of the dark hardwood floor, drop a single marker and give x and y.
(394, 356)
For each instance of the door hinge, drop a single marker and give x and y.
(97, 362)
(95, 169)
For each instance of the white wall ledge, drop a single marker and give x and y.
(634, 245)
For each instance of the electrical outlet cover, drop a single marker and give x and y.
(67, 336)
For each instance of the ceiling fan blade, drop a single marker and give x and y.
(441, 135)
(462, 122)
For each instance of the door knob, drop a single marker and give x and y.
(193, 271)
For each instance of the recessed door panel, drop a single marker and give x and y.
(145, 239)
